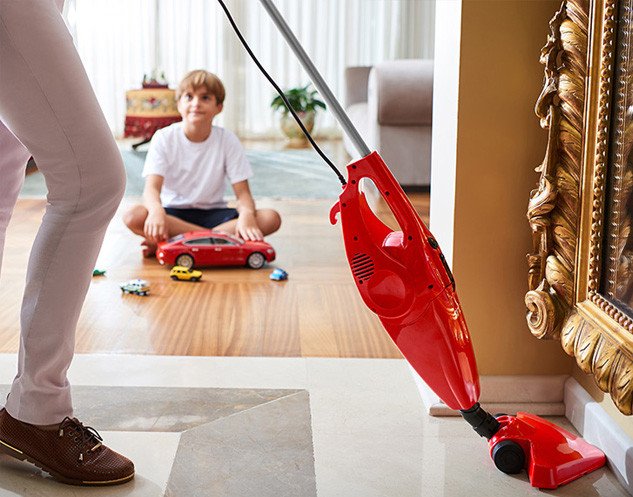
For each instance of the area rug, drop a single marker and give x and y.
(276, 174)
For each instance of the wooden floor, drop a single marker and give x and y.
(232, 311)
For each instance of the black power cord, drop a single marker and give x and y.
(281, 94)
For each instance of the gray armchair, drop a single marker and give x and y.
(391, 105)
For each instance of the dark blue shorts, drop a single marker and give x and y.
(208, 218)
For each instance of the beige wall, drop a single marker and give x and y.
(499, 143)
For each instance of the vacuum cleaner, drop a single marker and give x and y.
(403, 277)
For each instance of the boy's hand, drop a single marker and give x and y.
(246, 227)
(155, 228)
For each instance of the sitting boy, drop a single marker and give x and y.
(185, 172)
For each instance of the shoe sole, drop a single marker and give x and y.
(21, 456)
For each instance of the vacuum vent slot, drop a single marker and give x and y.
(362, 267)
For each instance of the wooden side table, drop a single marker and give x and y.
(148, 110)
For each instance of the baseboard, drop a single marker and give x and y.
(599, 429)
(539, 394)
(416, 188)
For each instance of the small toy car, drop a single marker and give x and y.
(279, 275)
(137, 287)
(213, 248)
(184, 274)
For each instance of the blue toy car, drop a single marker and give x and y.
(278, 275)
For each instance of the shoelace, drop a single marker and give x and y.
(87, 433)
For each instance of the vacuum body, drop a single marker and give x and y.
(403, 277)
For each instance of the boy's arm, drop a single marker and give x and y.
(246, 226)
(156, 223)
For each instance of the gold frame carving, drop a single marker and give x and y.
(566, 211)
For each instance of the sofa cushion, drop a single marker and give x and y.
(401, 92)
(358, 115)
(407, 152)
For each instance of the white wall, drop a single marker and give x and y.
(445, 107)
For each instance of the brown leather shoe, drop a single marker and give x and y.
(72, 454)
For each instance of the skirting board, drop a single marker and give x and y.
(599, 429)
(541, 395)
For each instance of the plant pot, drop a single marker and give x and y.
(292, 130)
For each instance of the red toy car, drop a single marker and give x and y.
(212, 248)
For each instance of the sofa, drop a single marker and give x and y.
(391, 104)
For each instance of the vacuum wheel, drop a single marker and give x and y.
(508, 457)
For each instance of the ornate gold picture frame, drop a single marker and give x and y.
(575, 257)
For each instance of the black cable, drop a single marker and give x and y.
(281, 94)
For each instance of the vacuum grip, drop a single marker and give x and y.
(374, 168)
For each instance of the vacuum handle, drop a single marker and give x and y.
(374, 168)
(317, 79)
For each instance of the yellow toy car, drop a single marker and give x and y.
(184, 274)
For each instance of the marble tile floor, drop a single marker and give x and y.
(226, 426)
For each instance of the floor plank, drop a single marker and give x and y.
(232, 311)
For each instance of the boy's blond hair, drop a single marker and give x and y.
(201, 78)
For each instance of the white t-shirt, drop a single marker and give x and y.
(195, 173)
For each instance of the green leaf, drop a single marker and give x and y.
(301, 99)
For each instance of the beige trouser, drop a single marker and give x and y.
(47, 102)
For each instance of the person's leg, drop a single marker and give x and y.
(13, 157)
(134, 218)
(46, 100)
(268, 221)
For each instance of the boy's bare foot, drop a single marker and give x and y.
(149, 248)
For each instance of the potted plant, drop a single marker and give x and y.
(305, 103)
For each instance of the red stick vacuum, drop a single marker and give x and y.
(403, 277)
